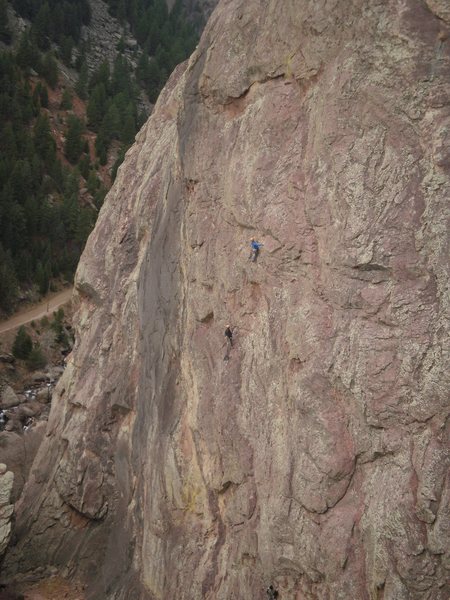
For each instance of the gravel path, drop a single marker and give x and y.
(46, 307)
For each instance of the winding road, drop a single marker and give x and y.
(51, 303)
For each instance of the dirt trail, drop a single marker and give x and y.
(46, 307)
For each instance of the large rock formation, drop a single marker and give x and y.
(6, 507)
(314, 458)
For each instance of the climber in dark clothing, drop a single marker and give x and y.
(255, 246)
(229, 335)
(272, 593)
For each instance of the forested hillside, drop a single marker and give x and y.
(61, 140)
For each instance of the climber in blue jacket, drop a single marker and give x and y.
(255, 246)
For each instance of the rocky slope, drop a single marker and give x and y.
(314, 458)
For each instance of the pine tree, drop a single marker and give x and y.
(101, 149)
(96, 106)
(43, 141)
(8, 281)
(27, 53)
(66, 100)
(66, 50)
(121, 11)
(111, 123)
(49, 70)
(93, 183)
(42, 277)
(5, 32)
(121, 80)
(41, 27)
(101, 76)
(74, 140)
(129, 127)
(23, 344)
(43, 96)
(36, 359)
(81, 87)
(84, 165)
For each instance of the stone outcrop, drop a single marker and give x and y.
(6, 507)
(18, 450)
(103, 35)
(8, 397)
(315, 458)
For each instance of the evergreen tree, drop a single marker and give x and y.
(111, 123)
(81, 87)
(93, 183)
(121, 80)
(84, 165)
(67, 45)
(85, 222)
(96, 106)
(41, 27)
(43, 96)
(43, 141)
(74, 140)
(101, 149)
(28, 53)
(66, 100)
(129, 127)
(23, 344)
(5, 32)
(42, 277)
(36, 359)
(101, 76)
(8, 281)
(49, 70)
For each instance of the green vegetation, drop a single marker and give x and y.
(23, 344)
(36, 359)
(43, 222)
(58, 327)
(58, 21)
(5, 32)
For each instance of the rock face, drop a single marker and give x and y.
(6, 508)
(18, 451)
(8, 397)
(103, 34)
(314, 459)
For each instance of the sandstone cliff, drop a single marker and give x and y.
(315, 457)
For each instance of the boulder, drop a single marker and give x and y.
(8, 397)
(39, 377)
(6, 358)
(44, 395)
(18, 451)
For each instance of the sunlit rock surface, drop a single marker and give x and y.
(315, 458)
(6, 507)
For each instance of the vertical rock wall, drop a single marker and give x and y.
(6, 508)
(315, 457)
